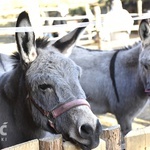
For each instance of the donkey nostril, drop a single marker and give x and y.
(86, 130)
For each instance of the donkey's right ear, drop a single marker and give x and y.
(25, 40)
(144, 30)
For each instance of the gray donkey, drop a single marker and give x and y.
(117, 81)
(40, 91)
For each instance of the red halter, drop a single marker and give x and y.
(58, 110)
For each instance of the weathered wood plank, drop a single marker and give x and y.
(69, 146)
(51, 143)
(30, 145)
(112, 137)
(147, 134)
(138, 139)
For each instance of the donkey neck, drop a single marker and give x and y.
(14, 91)
(10, 82)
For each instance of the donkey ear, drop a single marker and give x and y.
(65, 44)
(25, 40)
(144, 30)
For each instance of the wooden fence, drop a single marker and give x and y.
(51, 143)
(110, 139)
(92, 32)
(138, 139)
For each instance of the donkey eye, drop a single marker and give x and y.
(45, 86)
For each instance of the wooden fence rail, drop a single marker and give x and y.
(110, 140)
(138, 139)
(92, 31)
(51, 143)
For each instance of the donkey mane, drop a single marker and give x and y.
(128, 47)
(117, 49)
(40, 43)
(16, 58)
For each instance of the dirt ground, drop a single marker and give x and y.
(7, 46)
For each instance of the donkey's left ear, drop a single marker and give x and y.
(144, 30)
(66, 43)
(25, 40)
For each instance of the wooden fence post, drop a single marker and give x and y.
(138, 139)
(98, 24)
(51, 143)
(139, 7)
(34, 15)
(69, 146)
(112, 137)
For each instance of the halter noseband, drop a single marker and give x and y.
(58, 110)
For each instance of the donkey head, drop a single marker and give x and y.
(56, 98)
(144, 59)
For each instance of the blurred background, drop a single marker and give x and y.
(44, 13)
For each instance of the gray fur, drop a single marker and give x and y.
(6, 64)
(131, 74)
(50, 78)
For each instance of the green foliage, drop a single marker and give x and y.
(77, 11)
